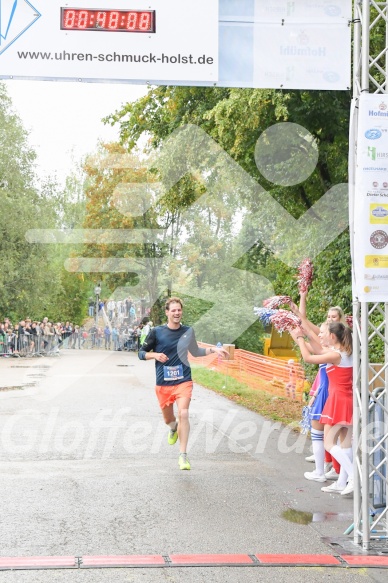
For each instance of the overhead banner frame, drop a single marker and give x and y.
(228, 43)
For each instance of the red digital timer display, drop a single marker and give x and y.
(108, 20)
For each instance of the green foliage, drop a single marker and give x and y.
(252, 339)
(34, 282)
(26, 278)
(114, 203)
(214, 317)
(376, 344)
(236, 118)
(71, 303)
(331, 283)
(162, 110)
(193, 309)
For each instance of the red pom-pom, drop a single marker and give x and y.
(284, 320)
(305, 275)
(276, 301)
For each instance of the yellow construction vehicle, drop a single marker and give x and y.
(280, 346)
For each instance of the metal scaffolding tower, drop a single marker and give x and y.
(370, 58)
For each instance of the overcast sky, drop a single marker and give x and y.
(64, 118)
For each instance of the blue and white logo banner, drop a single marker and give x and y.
(370, 253)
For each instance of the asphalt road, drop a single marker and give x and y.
(86, 470)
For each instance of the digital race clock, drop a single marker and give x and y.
(108, 20)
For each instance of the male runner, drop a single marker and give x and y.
(168, 345)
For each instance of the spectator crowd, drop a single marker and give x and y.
(124, 323)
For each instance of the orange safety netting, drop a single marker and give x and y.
(282, 378)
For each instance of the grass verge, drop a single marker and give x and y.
(257, 400)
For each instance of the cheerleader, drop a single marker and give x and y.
(337, 413)
(334, 314)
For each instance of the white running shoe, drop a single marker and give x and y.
(315, 476)
(331, 475)
(349, 488)
(310, 458)
(327, 467)
(334, 487)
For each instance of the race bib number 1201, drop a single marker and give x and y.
(173, 373)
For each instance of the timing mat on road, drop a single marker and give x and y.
(194, 560)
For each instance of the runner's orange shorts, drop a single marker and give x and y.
(168, 394)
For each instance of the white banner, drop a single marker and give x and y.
(370, 256)
(145, 40)
(280, 44)
(318, 11)
(300, 56)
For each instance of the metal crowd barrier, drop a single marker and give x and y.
(34, 345)
(4, 346)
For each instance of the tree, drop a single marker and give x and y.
(236, 118)
(27, 281)
(119, 191)
(34, 281)
(70, 300)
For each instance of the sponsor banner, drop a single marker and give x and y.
(301, 44)
(302, 56)
(370, 256)
(324, 11)
(129, 39)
